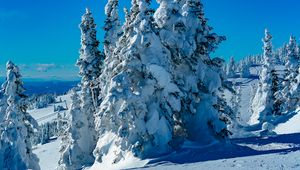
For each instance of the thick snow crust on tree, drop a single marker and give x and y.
(163, 87)
(18, 126)
(263, 100)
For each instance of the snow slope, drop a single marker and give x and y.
(281, 152)
(291, 126)
(263, 162)
(47, 114)
(48, 154)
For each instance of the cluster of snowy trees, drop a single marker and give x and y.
(17, 126)
(277, 94)
(154, 85)
(40, 101)
(241, 68)
(151, 88)
(51, 130)
(18, 129)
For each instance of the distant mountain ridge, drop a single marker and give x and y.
(38, 86)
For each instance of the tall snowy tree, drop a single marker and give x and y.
(164, 87)
(295, 90)
(282, 53)
(184, 31)
(230, 72)
(245, 69)
(278, 107)
(137, 111)
(3, 101)
(291, 72)
(204, 115)
(236, 102)
(18, 125)
(114, 34)
(90, 65)
(90, 62)
(263, 102)
(112, 28)
(74, 148)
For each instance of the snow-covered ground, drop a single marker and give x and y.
(280, 152)
(291, 126)
(265, 162)
(48, 154)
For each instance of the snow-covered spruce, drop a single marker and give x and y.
(245, 69)
(158, 93)
(236, 103)
(18, 126)
(197, 76)
(231, 68)
(295, 90)
(73, 145)
(3, 101)
(113, 32)
(90, 65)
(264, 101)
(138, 106)
(91, 59)
(112, 28)
(291, 72)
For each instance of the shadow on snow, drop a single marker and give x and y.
(234, 149)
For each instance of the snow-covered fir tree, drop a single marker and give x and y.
(60, 124)
(191, 67)
(90, 64)
(113, 32)
(263, 102)
(169, 19)
(291, 72)
(277, 93)
(112, 28)
(18, 126)
(3, 102)
(74, 146)
(282, 53)
(231, 68)
(137, 111)
(45, 133)
(91, 59)
(245, 69)
(236, 102)
(295, 90)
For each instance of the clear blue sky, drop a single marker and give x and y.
(42, 36)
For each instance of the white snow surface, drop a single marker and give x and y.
(48, 154)
(291, 126)
(258, 162)
(129, 161)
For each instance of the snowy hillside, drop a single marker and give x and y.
(247, 153)
(48, 114)
(48, 153)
